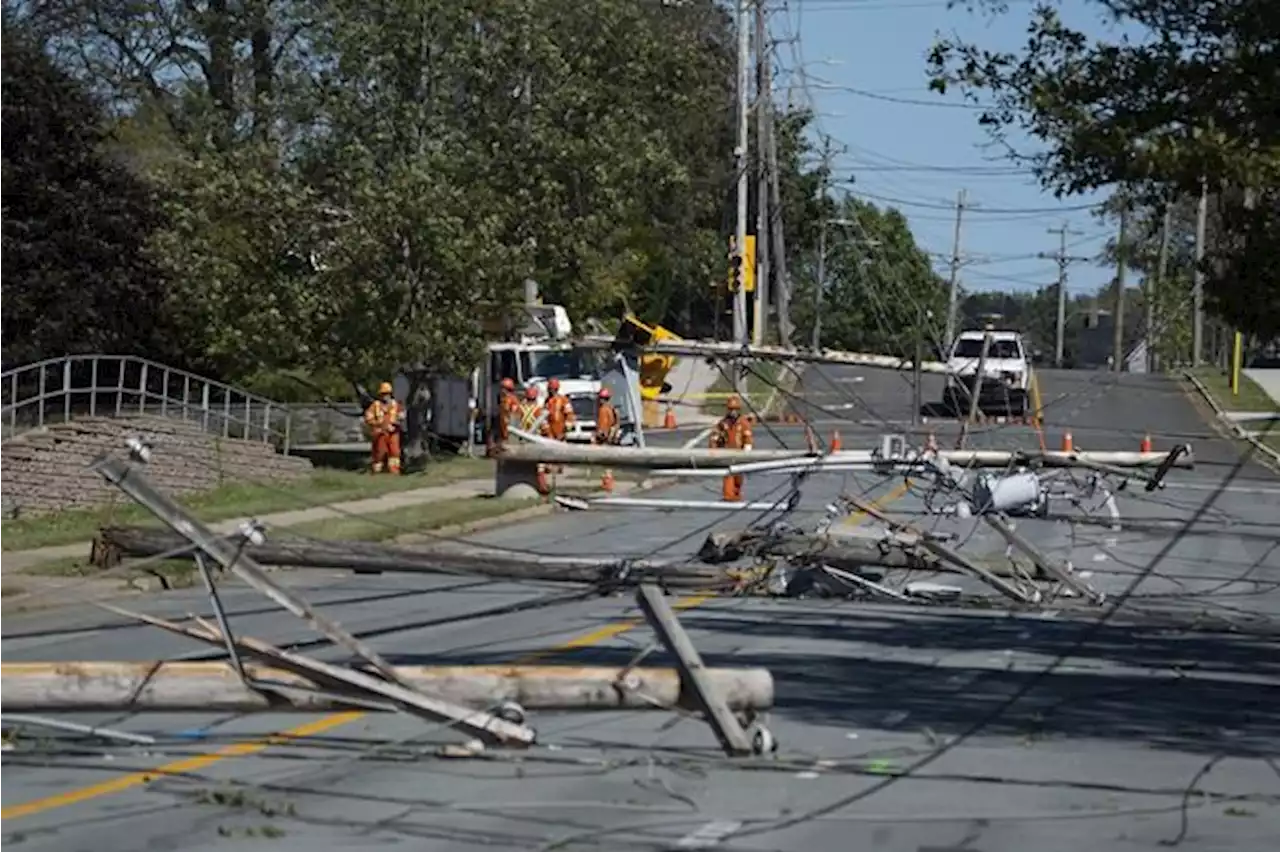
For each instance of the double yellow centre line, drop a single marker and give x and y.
(326, 723)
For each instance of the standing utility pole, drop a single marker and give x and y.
(763, 111)
(1063, 259)
(821, 283)
(1154, 287)
(778, 245)
(740, 162)
(953, 295)
(1197, 286)
(1122, 257)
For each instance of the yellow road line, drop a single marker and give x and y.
(899, 491)
(317, 726)
(177, 767)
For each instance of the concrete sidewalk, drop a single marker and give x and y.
(1267, 378)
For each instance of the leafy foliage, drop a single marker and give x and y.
(352, 186)
(1195, 98)
(77, 277)
(880, 287)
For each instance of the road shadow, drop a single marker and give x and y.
(1190, 692)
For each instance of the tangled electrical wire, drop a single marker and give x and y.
(311, 778)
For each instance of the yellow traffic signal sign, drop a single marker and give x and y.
(742, 267)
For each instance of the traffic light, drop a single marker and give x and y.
(742, 266)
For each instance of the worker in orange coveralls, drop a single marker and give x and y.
(733, 432)
(608, 430)
(559, 411)
(385, 419)
(527, 414)
(508, 406)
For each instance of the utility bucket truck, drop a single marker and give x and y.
(537, 351)
(1005, 376)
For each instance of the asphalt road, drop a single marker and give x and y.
(900, 727)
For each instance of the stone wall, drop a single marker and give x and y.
(46, 470)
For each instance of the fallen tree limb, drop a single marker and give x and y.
(282, 550)
(215, 687)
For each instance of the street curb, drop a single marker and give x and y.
(1230, 426)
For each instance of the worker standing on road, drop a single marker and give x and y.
(559, 411)
(733, 432)
(508, 408)
(529, 412)
(608, 430)
(385, 419)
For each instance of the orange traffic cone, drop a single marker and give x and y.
(1145, 446)
(606, 481)
(669, 422)
(1067, 445)
(544, 480)
(835, 440)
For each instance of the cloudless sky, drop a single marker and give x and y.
(862, 58)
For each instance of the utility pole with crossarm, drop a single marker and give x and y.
(1063, 260)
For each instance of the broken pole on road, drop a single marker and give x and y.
(662, 618)
(650, 458)
(209, 687)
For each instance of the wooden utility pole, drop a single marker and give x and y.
(1197, 286)
(1153, 289)
(778, 245)
(764, 108)
(953, 291)
(1063, 259)
(821, 282)
(215, 687)
(1122, 257)
(740, 335)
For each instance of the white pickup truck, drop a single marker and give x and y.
(1006, 373)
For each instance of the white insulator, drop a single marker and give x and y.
(1006, 493)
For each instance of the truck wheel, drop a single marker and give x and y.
(1018, 403)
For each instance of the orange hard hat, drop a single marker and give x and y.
(531, 392)
(553, 385)
(733, 404)
(384, 389)
(509, 384)
(604, 393)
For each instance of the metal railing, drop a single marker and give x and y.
(60, 389)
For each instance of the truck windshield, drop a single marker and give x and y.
(559, 364)
(972, 348)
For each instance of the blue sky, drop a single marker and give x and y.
(860, 55)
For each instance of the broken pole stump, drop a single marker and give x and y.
(733, 739)
(182, 687)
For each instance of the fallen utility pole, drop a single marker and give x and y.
(229, 556)
(673, 457)
(484, 726)
(137, 542)
(847, 553)
(707, 349)
(215, 687)
(943, 552)
(733, 739)
(1059, 571)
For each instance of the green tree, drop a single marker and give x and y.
(77, 277)
(880, 288)
(1193, 99)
